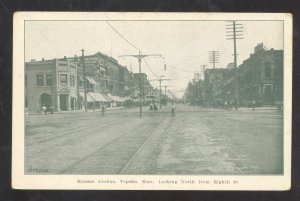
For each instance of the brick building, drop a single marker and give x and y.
(261, 76)
(108, 74)
(50, 83)
(107, 80)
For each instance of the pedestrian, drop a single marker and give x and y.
(225, 104)
(155, 107)
(173, 109)
(253, 105)
(102, 109)
(151, 106)
(51, 109)
(26, 112)
(44, 109)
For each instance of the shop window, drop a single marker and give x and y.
(277, 72)
(49, 80)
(63, 79)
(39, 80)
(267, 70)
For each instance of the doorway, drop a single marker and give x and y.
(63, 102)
(46, 100)
(268, 95)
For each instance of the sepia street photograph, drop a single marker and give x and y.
(154, 97)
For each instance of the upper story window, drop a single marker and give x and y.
(277, 72)
(39, 80)
(267, 69)
(72, 80)
(48, 80)
(63, 79)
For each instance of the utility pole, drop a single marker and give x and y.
(160, 80)
(84, 78)
(203, 71)
(166, 89)
(214, 58)
(234, 31)
(160, 93)
(140, 56)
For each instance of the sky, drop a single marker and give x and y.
(184, 45)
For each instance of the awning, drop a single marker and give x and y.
(125, 98)
(81, 78)
(102, 68)
(97, 96)
(113, 98)
(106, 97)
(120, 99)
(88, 97)
(91, 80)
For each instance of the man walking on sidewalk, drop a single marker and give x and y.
(44, 109)
(253, 105)
(173, 107)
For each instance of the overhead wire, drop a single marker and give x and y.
(149, 67)
(122, 36)
(130, 44)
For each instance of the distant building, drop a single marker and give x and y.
(108, 74)
(144, 84)
(196, 76)
(50, 83)
(194, 94)
(230, 66)
(107, 80)
(213, 79)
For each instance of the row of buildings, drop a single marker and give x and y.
(259, 78)
(59, 83)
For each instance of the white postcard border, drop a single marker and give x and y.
(231, 182)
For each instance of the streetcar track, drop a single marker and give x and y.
(82, 135)
(72, 166)
(135, 154)
(70, 132)
(92, 153)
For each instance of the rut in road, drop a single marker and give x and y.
(115, 155)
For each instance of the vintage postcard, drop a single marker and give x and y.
(156, 101)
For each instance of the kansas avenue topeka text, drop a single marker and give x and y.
(159, 181)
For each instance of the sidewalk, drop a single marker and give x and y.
(76, 111)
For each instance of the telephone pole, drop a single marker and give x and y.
(166, 90)
(213, 59)
(140, 56)
(234, 31)
(84, 78)
(160, 80)
(203, 72)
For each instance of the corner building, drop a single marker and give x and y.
(50, 83)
